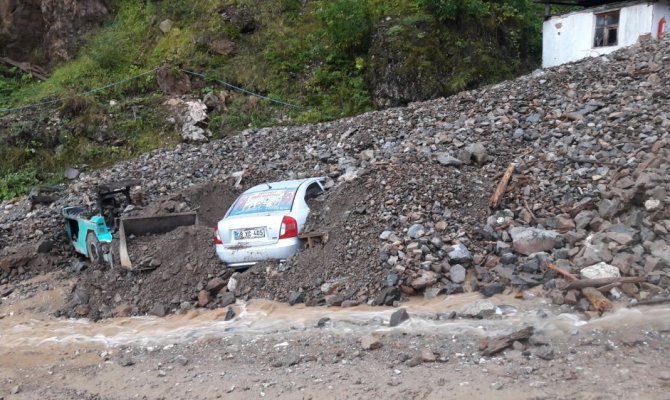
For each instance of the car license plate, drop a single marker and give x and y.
(252, 233)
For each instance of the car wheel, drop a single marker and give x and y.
(94, 249)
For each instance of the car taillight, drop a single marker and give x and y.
(289, 228)
(217, 239)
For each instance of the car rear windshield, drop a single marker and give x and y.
(265, 201)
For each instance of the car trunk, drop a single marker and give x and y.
(251, 230)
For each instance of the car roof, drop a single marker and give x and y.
(282, 185)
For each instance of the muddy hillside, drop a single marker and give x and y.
(577, 154)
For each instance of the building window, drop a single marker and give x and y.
(607, 27)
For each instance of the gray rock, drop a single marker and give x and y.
(478, 309)
(71, 173)
(492, 289)
(398, 317)
(181, 360)
(661, 250)
(460, 254)
(545, 353)
(45, 246)
(296, 297)
(166, 25)
(457, 273)
(533, 240)
(609, 208)
(448, 160)
(323, 322)
(416, 231)
(158, 310)
(228, 298)
(230, 314)
(370, 342)
(600, 270)
(385, 235)
(391, 279)
(478, 152)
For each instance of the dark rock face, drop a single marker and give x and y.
(401, 71)
(47, 31)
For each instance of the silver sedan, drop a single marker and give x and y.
(265, 221)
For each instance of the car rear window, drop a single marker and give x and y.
(265, 201)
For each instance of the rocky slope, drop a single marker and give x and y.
(408, 213)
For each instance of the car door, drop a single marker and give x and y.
(300, 211)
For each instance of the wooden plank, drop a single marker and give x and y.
(496, 345)
(496, 198)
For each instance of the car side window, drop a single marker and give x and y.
(313, 191)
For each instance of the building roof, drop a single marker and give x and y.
(582, 3)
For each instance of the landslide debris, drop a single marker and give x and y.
(408, 213)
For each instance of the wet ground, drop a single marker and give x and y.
(272, 350)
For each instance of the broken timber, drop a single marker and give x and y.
(584, 283)
(597, 299)
(312, 237)
(494, 202)
(496, 345)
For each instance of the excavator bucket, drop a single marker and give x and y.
(139, 226)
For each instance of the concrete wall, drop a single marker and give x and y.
(569, 37)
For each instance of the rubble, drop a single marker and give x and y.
(580, 191)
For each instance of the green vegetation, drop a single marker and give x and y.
(326, 56)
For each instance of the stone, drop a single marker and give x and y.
(71, 173)
(123, 310)
(224, 46)
(227, 299)
(460, 254)
(214, 285)
(609, 208)
(398, 317)
(652, 204)
(622, 234)
(181, 360)
(600, 270)
(387, 296)
(416, 231)
(232, 282)
(478, 309)
(370, 342)
(457, 273)
(16, 389)
(323, 322)
(166, 25)
(545, 353)
(158, 310)
(478, 152)
(203, 298)
(427, 278)
(45, 246)
(661, 250)
(533, 240)
(385, 235)
(230, 314)
(448, 160)
(565, 224)
(492, 289)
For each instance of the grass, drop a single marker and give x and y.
(312, 53)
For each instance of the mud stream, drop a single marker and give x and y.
(259, 317)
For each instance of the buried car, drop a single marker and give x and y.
(264, 222)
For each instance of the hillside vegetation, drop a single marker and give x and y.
(330, 58)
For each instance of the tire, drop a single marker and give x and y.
(94, 249)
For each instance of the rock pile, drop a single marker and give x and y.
(409, 211)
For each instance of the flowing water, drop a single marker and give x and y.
(258, 317)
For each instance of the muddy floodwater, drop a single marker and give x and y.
(272, 350)
(258, 317)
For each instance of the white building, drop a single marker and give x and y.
(601, 29)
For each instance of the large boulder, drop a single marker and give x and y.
(533, 240)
